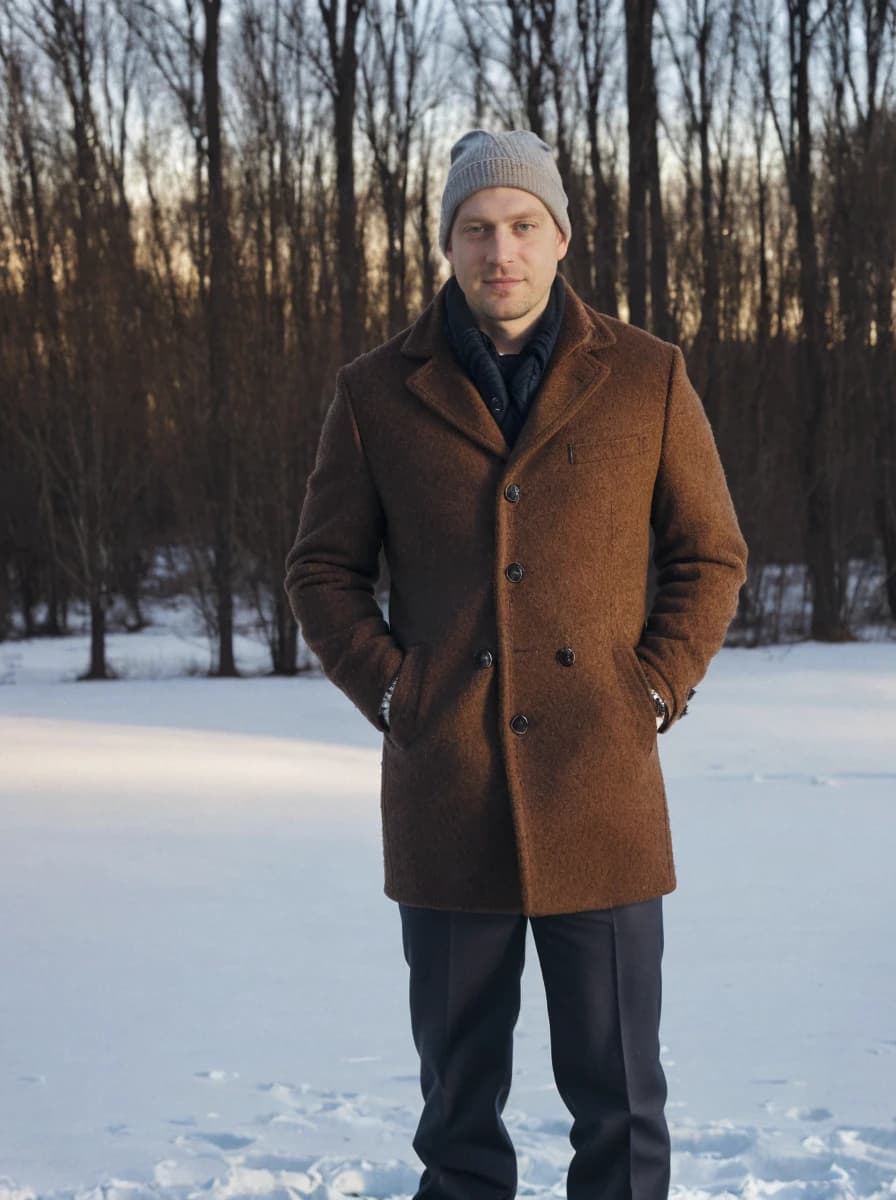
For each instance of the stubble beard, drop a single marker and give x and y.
(510, 308)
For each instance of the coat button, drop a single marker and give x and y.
(495, 405)
(514, 572)
(566, 655)
(519, 724)
(484, 658)
(512, 492)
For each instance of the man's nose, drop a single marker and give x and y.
(500, 247)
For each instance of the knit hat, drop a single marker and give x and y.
(518, 159)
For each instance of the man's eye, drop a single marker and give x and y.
(525, 225)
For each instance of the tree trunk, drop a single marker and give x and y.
(638, 43)
(824, 551)
(220, 431)
(344, 68)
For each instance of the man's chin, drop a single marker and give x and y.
(508, 308)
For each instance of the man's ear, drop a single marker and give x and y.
(562, 243)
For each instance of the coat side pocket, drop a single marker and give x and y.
(638, 688)
(405, 702)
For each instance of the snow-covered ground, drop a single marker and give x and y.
(202, 990)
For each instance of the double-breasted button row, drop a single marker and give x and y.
(519, 723)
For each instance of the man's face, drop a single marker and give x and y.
(504, 247)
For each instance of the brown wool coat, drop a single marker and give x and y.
(571, 813)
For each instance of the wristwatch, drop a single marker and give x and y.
(660, 708)
(386, 701)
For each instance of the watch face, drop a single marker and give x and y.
(659, 704)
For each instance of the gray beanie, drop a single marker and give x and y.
(518, 159)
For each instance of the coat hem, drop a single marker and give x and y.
(393, 893)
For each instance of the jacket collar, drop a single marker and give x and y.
(573, 374)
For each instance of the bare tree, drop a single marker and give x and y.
(597, 41)
(705, 51)
(425, 218)
(393, 54)
(337, 64)
(645, 208)
(88, 380)
(184, 47)
(285, 354)
(824, 547)
(859, 148)
(219, 318)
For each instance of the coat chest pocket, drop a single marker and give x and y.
(586, 450)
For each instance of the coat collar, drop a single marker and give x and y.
(573, 374)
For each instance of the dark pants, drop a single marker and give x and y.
(602, 979)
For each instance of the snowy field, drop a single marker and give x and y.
(202, 990)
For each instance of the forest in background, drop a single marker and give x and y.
(206, 206)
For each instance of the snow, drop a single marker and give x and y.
(202, 989)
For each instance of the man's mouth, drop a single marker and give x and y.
(502, 284)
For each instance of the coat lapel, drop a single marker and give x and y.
(573, 374)
(444, 385)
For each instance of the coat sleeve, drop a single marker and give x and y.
(332, 567)
(699, 550)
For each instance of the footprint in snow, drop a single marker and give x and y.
(286, 1120)
(803, 1170)
(374, 1179)
(879, 1139)
(223, 1141)
(299, 1164)
(285, 1092)
(720, 1142)
(216, 1076)
(549, 1126)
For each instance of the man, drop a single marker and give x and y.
(512, 451)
